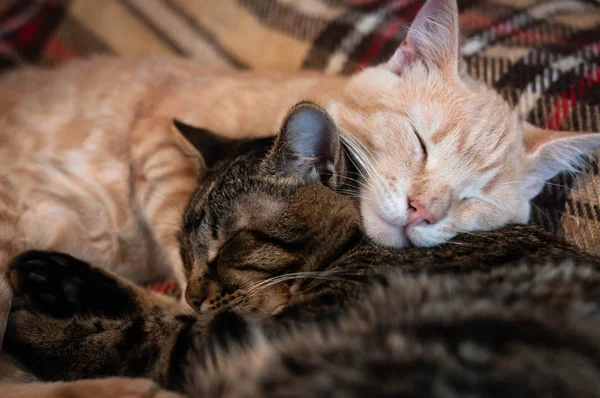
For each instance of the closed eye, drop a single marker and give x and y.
(478, 200)
(289, 246)
(421, 142)
(468, 198)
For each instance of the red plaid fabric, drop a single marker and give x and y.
(26, 29)
(168, 288)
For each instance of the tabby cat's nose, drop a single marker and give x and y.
(195, 294)
(418, 214)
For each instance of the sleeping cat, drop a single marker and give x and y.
(512, 312)
(90, 165)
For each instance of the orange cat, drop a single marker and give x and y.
(91, 166)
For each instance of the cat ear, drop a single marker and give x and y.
(432, 38)
(204, 143)
(551, 152)
(309, 146)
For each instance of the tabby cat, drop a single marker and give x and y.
(310, 306)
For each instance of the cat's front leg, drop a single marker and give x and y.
(72, 321)
(61, 285)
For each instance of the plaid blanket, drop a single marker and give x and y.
(542, 56)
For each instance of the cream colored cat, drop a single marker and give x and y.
(91, 166)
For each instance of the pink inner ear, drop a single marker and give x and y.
(404, 55)
(432, 37)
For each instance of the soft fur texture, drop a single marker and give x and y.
(512, 312)
(91, 165)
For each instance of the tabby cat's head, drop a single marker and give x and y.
(264, 210)
(442, 154)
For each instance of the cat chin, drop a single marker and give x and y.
(381, 231)
(428, 236)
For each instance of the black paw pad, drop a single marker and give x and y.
(61, 285)
(48, 280)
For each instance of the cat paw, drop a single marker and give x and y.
(60, 285)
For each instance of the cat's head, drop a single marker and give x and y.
(440, 152)
(265, 209)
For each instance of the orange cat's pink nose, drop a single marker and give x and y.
(418, 214)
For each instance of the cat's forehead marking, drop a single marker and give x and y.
(492, 183)
(214, 245)
(256, 208)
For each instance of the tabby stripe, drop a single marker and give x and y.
(291, 247)
(181, 348)
(247, 267)
(498, 333)
(355, 238)
(131, 347)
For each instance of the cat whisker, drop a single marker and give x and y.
(358, 167)
(359, 182)
(460, 244)
(355, 195)
(323, 275)
(542, 212)
(295, 277)
(552, 184)
(358, 149)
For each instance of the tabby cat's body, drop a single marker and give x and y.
(512, 312)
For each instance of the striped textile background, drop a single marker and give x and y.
(542, 56)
